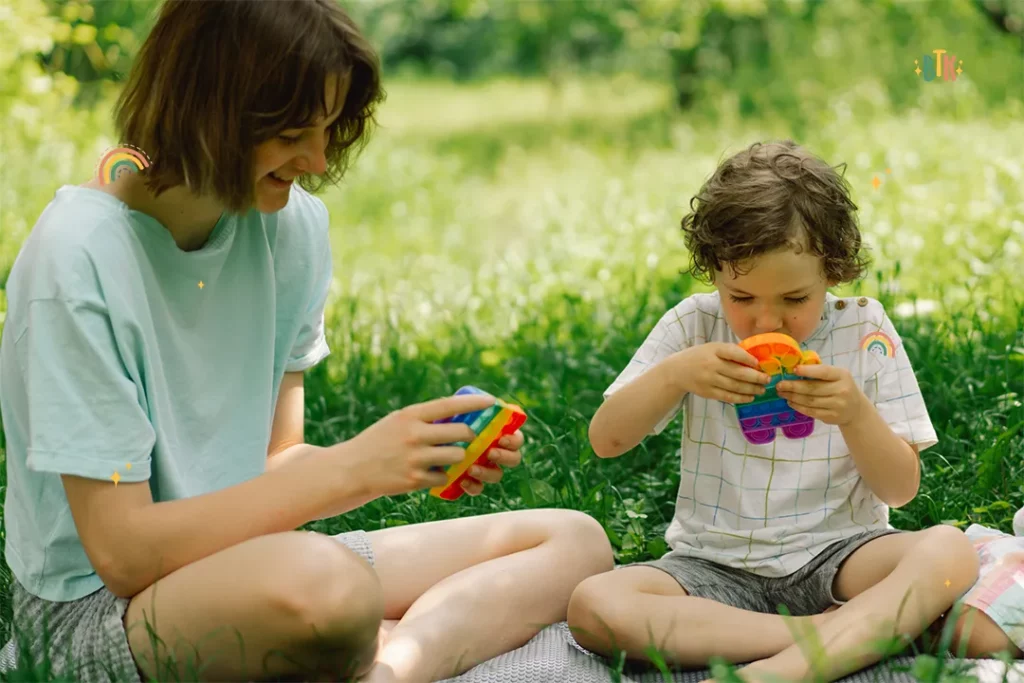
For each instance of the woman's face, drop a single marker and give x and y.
(293, 152)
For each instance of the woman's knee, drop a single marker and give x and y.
(333, 594)
(584, 537)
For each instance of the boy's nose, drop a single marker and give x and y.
(767, 322)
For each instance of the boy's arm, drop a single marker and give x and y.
(888, 464)
(632, 412)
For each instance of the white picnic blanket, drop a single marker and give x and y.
(553, 656)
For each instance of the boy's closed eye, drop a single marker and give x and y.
(748, 299)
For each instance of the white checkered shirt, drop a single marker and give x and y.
(770, 508)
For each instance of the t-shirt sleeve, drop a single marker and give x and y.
(310, 345)
(671, 334)
(85, 415)
(894, 390)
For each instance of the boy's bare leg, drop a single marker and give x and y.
(633, 608)
(933, 569)
(467, 590)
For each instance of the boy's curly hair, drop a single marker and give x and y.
(769, 196)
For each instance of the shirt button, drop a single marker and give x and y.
(841, 304)
(863, 301)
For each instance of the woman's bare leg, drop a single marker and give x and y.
(285, 604)
(467, 590)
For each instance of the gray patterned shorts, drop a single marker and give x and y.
(90, 631)
(806, 591)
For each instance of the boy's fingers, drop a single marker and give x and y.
(737, 387)
(825, 372)
(745, 374)
(736, 353)
(798, 388)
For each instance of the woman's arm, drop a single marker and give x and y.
(132, 541)
(288, 437)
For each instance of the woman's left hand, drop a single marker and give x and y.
(504, 454)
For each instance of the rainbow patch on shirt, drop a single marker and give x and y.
(879, 344)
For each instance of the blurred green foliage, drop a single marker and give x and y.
(770, 56)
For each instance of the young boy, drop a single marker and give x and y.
(795, 522)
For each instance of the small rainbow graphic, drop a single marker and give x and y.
(879, 344)
(120, 160)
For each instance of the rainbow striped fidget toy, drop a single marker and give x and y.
(777, 356)
(489, 425)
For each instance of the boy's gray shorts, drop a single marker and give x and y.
(806, 591)
(91, 630)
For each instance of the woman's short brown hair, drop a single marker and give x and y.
(771, 196)
(215, 78)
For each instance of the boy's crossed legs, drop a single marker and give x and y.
(912, 577)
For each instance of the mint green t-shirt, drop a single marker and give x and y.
(123, 354)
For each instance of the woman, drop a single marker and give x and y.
(151, 371)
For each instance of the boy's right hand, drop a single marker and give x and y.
(395, 454)
(723, 372)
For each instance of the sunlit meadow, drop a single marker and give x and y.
(525, 239)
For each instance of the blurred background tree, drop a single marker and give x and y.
(771, 55)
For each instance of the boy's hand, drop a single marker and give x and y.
(505, 454)
(723, 372)
(832, 396)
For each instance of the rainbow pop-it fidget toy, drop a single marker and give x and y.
(489, 425)
(777, 356)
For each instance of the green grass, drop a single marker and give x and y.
(528, 243)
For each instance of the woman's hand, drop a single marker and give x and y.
(504, 454)
(399, 453)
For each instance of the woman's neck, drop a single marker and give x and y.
(188, 218)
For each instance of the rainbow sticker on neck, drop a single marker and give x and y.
(119, 161)
(878, 343)
(777, 356)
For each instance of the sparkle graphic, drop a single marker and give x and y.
(947, 583)
(116, 476)
(876, 181)
(201, 285)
